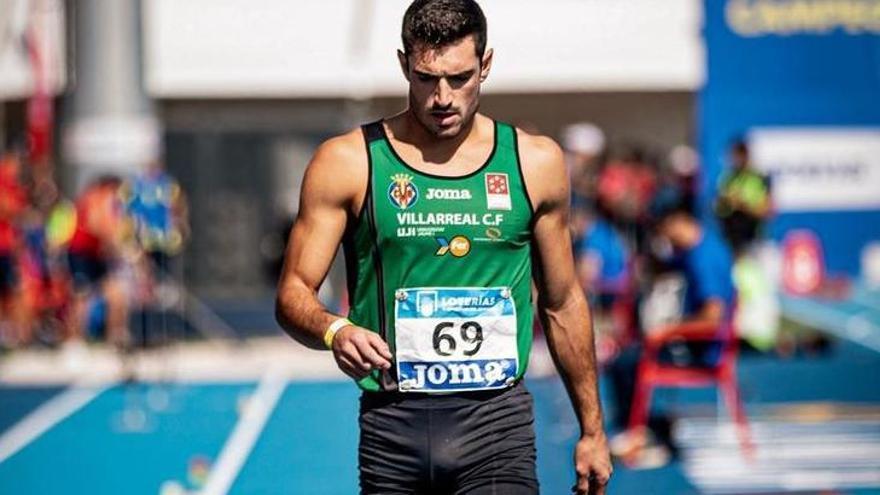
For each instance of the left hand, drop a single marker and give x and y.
(592, 464)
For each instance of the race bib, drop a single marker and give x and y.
(455, 339)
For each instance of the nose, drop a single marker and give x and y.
(442, 94)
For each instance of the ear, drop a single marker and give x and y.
(486, 65)
(404, 63)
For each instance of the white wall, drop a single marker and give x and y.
(44, 17)
(345, 48)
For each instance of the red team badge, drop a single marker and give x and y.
(497, 192)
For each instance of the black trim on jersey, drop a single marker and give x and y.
(370, 136)
(373, 131)
(377, 265)
(351, 265)
(522, 175)
(444, 177)
(348, 239)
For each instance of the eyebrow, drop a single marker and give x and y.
(468, 73)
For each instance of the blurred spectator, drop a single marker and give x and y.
(627, 185)
(705, 263)
(603, 263)
(743, 203)
(684, 165)
(603, 257)
(158, 209)
(13, 201)
(98, 246)
(584, 144)
(45, 280)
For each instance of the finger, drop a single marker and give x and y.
(381, 347)
(583, 484)
(600, 481)
(364, 344)
(372, 352)
(349, 367)
(372, 358)
(351, 351)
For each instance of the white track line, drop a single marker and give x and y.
(45, 417)
(240, 443)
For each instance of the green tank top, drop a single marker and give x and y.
(441, 268)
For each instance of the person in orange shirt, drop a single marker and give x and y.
(99, 240)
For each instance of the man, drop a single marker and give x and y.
(743, 203)
(706, 265)
(158, 208)
(440, 216)
(99, 240)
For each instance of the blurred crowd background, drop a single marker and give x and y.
(152, 154)
(196, 121)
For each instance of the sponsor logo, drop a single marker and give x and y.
(497, 192)
(402, 192)
(452, 375)
(427, 303)
(459, 246)
(453, 194)
(493, 233)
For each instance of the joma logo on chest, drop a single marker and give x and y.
(434, 193)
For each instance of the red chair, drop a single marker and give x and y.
(652, 373)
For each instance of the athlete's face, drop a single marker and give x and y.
(444, 85)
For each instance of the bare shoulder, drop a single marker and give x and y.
(543, 166)
(339, 170)
(343, 154)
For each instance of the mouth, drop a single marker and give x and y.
(443, 118)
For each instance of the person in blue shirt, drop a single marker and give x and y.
(602, 258)
(705, 262)
(157, 206)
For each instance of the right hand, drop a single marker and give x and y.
(359, 351)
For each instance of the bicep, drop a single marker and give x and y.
(319, 226)
(312, 244)
(547, 179)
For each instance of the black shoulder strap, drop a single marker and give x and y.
(373, 131)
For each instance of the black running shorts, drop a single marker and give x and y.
(475, 443)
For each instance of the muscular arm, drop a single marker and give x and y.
(326, 197)
(562, 306)
(333, 188)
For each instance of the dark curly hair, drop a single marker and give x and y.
(436, 23)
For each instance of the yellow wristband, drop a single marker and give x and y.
(334, 327)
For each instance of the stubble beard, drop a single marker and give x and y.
(423, 117)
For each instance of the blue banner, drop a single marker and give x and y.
(794, 65)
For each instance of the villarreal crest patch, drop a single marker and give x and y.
(402, 192)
